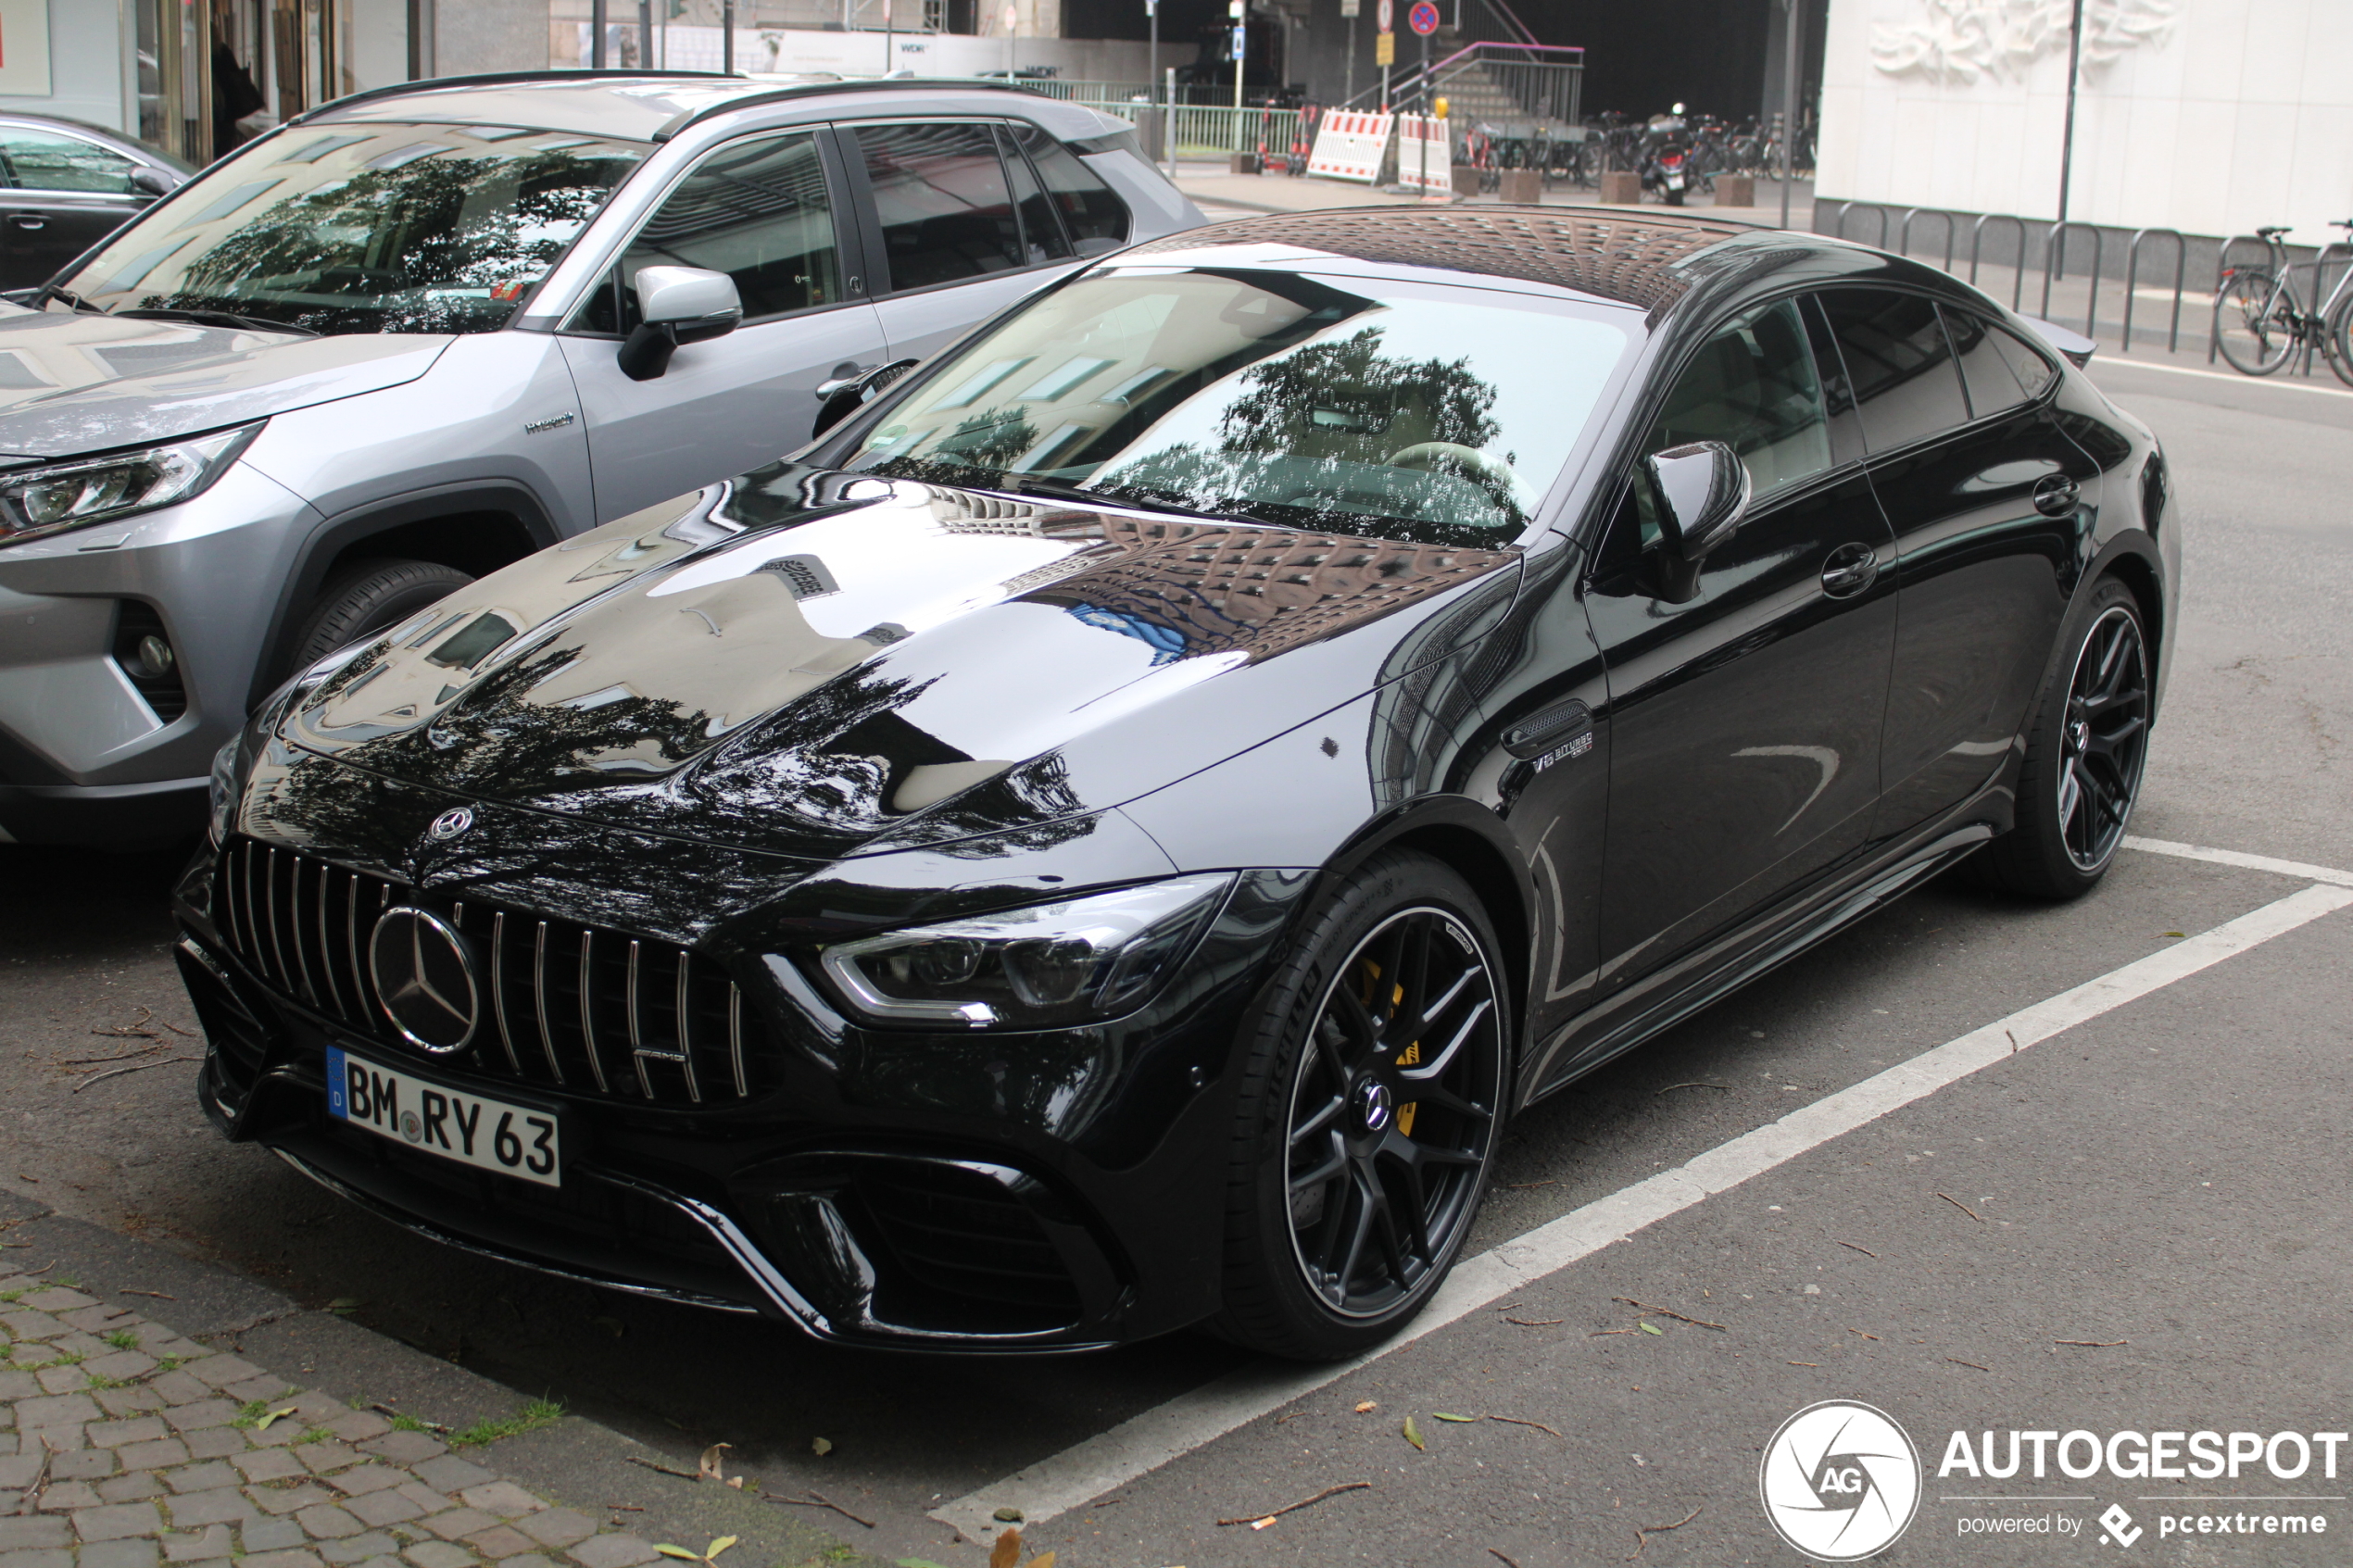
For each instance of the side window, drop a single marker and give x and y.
(1753, 386)
(1041, 232)
(1098, 220)
(41, 161)
(942, 200)
(2029, 365)
(756, 210)
(1993, 385)
(1902, 370)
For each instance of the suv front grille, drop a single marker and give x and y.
(568, 1005)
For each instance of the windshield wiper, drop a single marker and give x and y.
(215, 319)
(1024, 485)
(48, 292)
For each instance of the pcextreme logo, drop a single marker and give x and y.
(1840, 1481)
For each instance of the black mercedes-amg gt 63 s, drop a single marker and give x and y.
(1103, 838)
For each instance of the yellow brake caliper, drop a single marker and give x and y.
(1412, 1053)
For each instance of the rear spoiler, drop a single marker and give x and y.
(2078, 348)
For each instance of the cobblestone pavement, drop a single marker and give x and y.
(124, 1445)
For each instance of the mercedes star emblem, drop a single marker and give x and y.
(425, 972)
(449, 824)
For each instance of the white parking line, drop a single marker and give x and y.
(2126, 362)
(1145, 1442)
(2296, 869)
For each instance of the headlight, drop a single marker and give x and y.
(224, 788)
(56, 496)
(1036, 968)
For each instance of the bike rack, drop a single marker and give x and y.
(2133, 278)
(1904, 232)
(1977, 241)
(2054, 256)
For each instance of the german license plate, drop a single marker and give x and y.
(513, 1140)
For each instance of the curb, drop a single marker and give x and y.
(334, 1373)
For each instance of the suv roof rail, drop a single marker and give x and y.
(783, 95)
(495, 77)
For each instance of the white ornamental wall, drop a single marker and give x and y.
(2207, 116)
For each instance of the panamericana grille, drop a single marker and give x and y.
(567, 1005)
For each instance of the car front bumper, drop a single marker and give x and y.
(974, 1192)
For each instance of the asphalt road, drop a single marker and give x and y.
(2163, 1180)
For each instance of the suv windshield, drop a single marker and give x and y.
(372, 228)
(1416, 412)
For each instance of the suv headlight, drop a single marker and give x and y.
(56, 496)
(1045, 966)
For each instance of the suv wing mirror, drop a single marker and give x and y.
(148, 181)
(1700, 492)
(677, 304)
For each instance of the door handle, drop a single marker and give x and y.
(26, 220)
(2055, 495)
(1850, 569)
(842, 380)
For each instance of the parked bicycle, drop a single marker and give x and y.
(2261, 321)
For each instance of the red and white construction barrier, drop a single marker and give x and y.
(1425, 153)
(1349, 146)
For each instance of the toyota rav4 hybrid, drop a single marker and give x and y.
(417, 334)
(1108, 836)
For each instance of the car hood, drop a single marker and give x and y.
(819, 665)
(87, 382)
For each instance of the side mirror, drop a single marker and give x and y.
(836, 400)
(149, 182)
(677, 304)
(1700, 493)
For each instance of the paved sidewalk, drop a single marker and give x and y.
(125, 1441)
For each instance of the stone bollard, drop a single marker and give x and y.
(1522, 187)
(1622, 189)
(1466, 180)
(1736, 190)
(1243, 163)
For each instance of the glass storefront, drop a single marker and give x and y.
(215, 74)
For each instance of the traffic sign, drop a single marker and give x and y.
(1423, 17)
(1384, 48)
(1388, 16)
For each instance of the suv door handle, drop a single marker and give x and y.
(1850, 569)
(2055, 495)
(843, 378)
(27, 220)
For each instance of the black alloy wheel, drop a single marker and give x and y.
(1372, 1108)
(2085, 758)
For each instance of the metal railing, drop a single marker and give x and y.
(1541, 82)
(2026, 246)
(1213, 128)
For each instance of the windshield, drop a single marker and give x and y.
(1423, 412)
(365, 228)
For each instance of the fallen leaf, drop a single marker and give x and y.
(1363, 1404)
(1412, 1432)
(820, 1447)
(679, 1551)
(263, 1424)
(713, 1466)
(2172, 934)
(914, 1563)
(1007, 1551)
(344, 1306)
(1007, 1516)
(722, 1544)
(1651, 1328)
(1044, 1560)
(1444, 1416)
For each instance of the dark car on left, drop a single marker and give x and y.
(68, 185)
(1107, 836)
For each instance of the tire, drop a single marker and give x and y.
(2340, 341)
(2247, 329)
(366, 597)
(2085, 755)
(1348, 1203)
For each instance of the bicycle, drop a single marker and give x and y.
(2261, 321)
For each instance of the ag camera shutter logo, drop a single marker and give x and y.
(1840, 1481)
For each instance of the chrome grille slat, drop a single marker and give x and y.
(539, 989)
(326, 945)
(587, 1013)
(498, 988)
(285, 930)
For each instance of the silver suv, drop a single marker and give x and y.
(420, 333)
